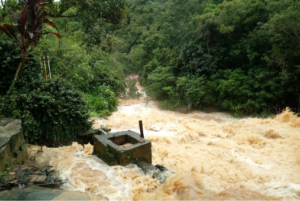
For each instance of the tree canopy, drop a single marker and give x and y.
(237, 55)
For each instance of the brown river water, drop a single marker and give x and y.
(214, 157)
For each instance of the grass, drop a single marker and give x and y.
(97, 106)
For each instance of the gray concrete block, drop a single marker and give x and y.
(122, 148)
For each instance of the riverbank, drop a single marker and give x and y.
(214, 157)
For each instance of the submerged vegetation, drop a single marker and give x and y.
(235, 55)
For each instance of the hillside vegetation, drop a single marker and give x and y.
(85, 78)
(240, 56)
(237, 55)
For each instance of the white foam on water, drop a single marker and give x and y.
(215, 157)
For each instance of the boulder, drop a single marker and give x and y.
(13, 148)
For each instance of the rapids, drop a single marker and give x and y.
(214, 157)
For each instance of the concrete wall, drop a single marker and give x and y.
(13, 148)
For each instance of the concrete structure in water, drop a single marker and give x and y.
(128, 147)
(13, 148)
(122, 148)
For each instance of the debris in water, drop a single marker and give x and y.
(24, 176)
(158, 172)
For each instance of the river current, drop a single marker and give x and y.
(214, 157)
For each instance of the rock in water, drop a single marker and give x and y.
(158, 172)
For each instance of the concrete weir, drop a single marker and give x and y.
(122, 148)
(128, 147)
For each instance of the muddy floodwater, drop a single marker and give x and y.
(214, 157)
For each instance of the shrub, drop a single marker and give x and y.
(167, 105)
(9, 61)
(86, 68)
(102, 101)
(49, 109)
(125, 62)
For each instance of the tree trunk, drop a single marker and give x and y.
(16, 75)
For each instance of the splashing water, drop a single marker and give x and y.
(214, 157)
(86, 173)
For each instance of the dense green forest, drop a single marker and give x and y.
(237, 55)
(86, 77)
(240, 56)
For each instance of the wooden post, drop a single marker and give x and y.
(141, 128)
(49, 67)
(45, 67)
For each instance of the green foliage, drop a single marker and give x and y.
(28, 27)
(85, 67)
(125, 63)
(133, 90)
(50, 109)
(252, 92)
(238, 55)
(101, 101)
(167, 105)
(29, 24)
(90, 11)
(194, 61)
(192, 89)
(10, 56)
(159, 81)
(284, 18)
(4, 175)
(77, 58)
(95, 18)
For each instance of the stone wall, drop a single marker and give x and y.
(12, 144)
